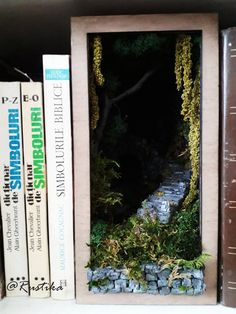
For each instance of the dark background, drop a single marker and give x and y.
(30, 28)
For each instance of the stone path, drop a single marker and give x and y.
(168, 196)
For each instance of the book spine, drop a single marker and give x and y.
(35, 188)
(12, 191)
(59, 174)
(2, 283)
(228, 169)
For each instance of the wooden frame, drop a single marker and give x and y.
(208, 25)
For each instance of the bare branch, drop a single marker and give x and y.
(136, 87)
(110, 102)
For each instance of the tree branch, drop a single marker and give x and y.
(108, 103)
(136, 87)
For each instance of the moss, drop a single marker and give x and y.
(138, 241)
(98, 283)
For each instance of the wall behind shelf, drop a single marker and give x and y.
(29, 28)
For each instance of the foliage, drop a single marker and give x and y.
(98, 233)
(186, 226)
(139, 45)
(103, 172)
(98, 282)
(143, 240)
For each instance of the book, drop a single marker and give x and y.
(228, 169)
(2, 285)
(35, 188)
(12, 191)
(57, 109)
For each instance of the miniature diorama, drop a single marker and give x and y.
(145, 126)
(144, 105)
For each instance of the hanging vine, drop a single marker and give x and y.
(96, 78)
(97, 60)
(194, 139)
(178, 64)
(93, 99)
(190, 107)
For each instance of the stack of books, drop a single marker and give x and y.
(35, 124)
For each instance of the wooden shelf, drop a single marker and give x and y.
(39, 306)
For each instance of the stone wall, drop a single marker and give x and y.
(158, 281)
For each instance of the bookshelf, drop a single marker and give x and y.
(29, 29)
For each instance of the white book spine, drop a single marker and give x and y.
(12, 191)
(35, 188)
(59, 173)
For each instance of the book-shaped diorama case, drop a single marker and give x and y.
(145, 123)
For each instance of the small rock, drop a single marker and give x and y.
(139, 289)
(197, 283)
(141, 212)
(103, 289)
(152, 285)
(164, 291)
(151, 277)
(164, 274)
(95, 290)
(197, 273)
(115, 290)
(128, 290)
(176, 283)
(89, 274)
(190, 291)
(187, 282)
(113, 275)
(162, 283)
(110, 285)
(122, 283)
(124, 277)
(143, 289)
(156, 269)
(149, 268)
(177, 291)
(133, 284)
(100, 273)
